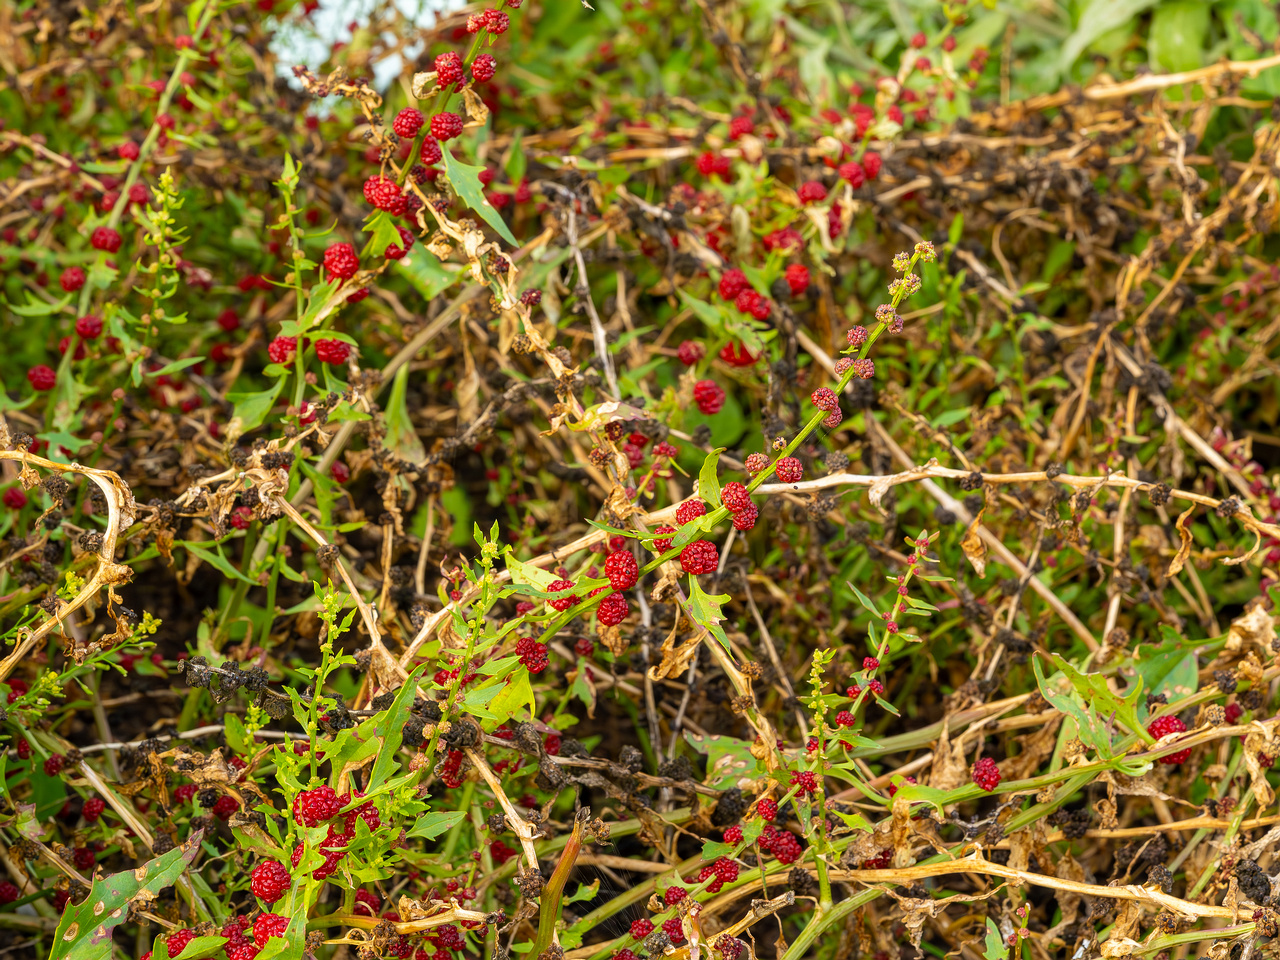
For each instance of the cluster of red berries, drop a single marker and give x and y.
(269, 882)
(737, 501)
(783, 844)
(767, 809)
(736, 288)
(985, 774)
(805, 780)
(700, 556)
(313, 807)
(532, 654)
(565, 598)
(1162, 727)
(707, 394)
(723, 870)
(451, 769)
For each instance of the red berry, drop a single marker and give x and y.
(852, 172)
(709, 397)
(732, 283)
(613, 610)
(845, 719)
(641, 928)
(128, 151)
(662, 544)
(690, 510)
(699, 557)
(431, 152)
(870, 663)
(767, 808)
(41, 377)
(674, 895)
(797, 277)
(786, 848)
(341, 261)
(740, 127)
(105, 239)
(985, 774)
(919, 40)
(690, 352)
(533, 655)
(269, 881)
(729, 947)
(725, 869)
(268, 925)
(812, 192)
(483, 68)
(449, 68)
(225, 807)
(84, 858)
(824, 398)
(622, 570)
(313, 807)
(674, 928)
(1233, 712)
(282, 349)
(229, 320)
(93, 808)
(8, 892)
(332, 351)
(734, 496)
(1162, 727)
(15, 499)
(564, 602)
(184, 793)
(496, 21)
(24, 746)
(89, 327)
(72, 279)
(177, 941)
(733, 834)
(789, 470)
(856, 335)
(446, 125)
(53, 765)
(745, 519)
(584, 647)
(871, 163)
(864, 369)
(368, 903)
(805, 780)
(383, 193)
(408, 122)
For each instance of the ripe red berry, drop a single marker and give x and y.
(106, 239)
(93, 808)
(282, 349)
(797, 277)
(856, 335)
(641, 928)
(789, 470)
(734, 496)
(16, 499)
(53, 765)
(24, 746)
(812, 192)
(767, 808)
(674, 895)
(268, 925)
(690, 510)
(845, 719)
(564, 602)
(229, 320)
(729, 947)
(786, 848)
(871, 164)
(89, 327)
(853, 173)
(313, 807)
(128, 151)
(824, 398)
(613, 610)
(1162, 727)
(497, 22)
(733, 834)
(341, 261)
(662, 544)
(483, 68)
(732, 283)
(332, 351)
(72, 279)
(622, 570)
(446, 125)
(745, 519)
(431, 152)
(269, 881)
(805, 780)
(408, 122)
(177, 941)
(919, 40)
(449, 68)
(690, 352)
(864, 369)
(533, 655)
(699, 557)
(870, 663)
(674, 929)
(985, 774)
(709, 397)
(8, 892)
(741, 127)
(225, 807)
(725, 869)
(1233, 712)
(383, 193)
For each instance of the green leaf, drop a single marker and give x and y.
(705, 610)
(864, 600)
(84, 932)
(431, 825)
(383, 234)
(515, 699)
(252, 408)
(388, 730)
(39, 308)
(174, 367)
(995, 947)
(216, 560)
(516, 162)
(427, 274)
(585, 891)
(728, 758)
(956, 230)
(709, 478)
(401, 439)
(195, 949)
(706, 312)
(1176, 37)
(465, 180)
(522, 572)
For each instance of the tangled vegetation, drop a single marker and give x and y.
(642, 480)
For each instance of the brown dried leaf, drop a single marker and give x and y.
(975, 550)
(949, 769)
(1184, 549)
